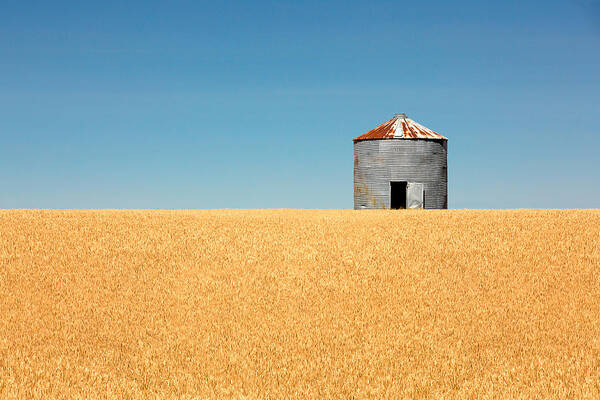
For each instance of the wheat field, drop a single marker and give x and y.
(299, 304)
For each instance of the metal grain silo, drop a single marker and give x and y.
(400, 164)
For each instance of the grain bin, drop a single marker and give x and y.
(400, 164)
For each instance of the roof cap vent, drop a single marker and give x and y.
(400, 115)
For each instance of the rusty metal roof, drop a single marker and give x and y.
(400, 127)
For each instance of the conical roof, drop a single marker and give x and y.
(400, 127)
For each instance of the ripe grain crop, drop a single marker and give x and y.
(300, 304)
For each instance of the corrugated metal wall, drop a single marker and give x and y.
(378, 162)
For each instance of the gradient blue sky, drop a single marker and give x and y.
(254, 104)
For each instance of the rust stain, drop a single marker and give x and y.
(400, 127)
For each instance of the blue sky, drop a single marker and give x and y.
(254, 104)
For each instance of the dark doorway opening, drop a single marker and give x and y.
(397, 195)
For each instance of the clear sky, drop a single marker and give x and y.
(254, 104)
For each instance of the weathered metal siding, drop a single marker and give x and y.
(378, 162)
